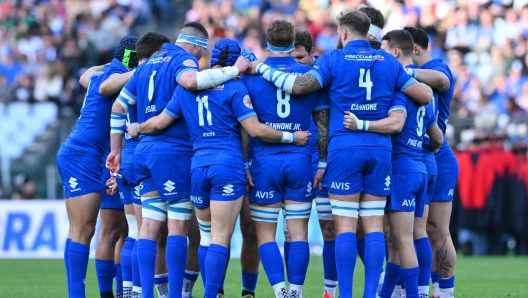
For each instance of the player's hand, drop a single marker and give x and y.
(113, 162)
(350, 121)
(249, 181)
(242, 64)
(111, 186)
(253, 67)
(301, 137)
(318, 180)
(132, 130)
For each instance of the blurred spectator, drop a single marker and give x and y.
(49, 85)
(26, 190)
(327, 39)
(4, 90)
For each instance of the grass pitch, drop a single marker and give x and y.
(491, 277)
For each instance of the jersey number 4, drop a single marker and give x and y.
(203, 102)
(283, 103)
(365, 82)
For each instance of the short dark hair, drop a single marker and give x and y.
(303, 38)
(419, 36)
(376, 45)
(194, 29)
(149, 43)
(400, 39)
(280, 34)
(375, 16)
(355, 21)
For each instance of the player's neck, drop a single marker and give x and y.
(423, 58)
(405, 61)
(275, 54)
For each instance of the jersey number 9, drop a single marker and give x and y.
(419, 118)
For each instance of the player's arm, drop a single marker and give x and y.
(83, 80)
(115, 83)
(432, 78)
(209, 78)
(435, 136)
(322, 119)
(152, 126)
(387, 126)
(269, 134)
(419, 93)
(245, 151)
(293, 84)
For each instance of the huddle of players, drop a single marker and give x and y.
(282, 172)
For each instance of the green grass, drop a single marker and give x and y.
(475, 278)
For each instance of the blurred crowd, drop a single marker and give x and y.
(45, 43)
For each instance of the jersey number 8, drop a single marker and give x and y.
(283, 103)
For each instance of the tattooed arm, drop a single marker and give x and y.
(306, 83)
(321, 119)
(293, 84)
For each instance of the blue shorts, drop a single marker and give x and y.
(279, 177)
(250, 162)
(359, 169)
(216, 183)
(168, 173)
(108, 201)
(78, 177)
(408, 194)
(128, 187)
(431, 185)
(315, 163)
(447, 177)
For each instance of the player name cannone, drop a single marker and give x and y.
(364, 107)
(285, 126)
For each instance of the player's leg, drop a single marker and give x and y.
(287, 240)
(67, 247)
(191, 267)
(326, 222)
(117, 261)
(126, 252)
(137, 290)
(249, 257)
(161, 276)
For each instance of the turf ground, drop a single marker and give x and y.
(491, 277)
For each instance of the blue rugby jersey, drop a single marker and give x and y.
(213, 117)
(444, 98)
(361, 80)
(151, 88)
(92, 129)
(407, 144)
(281, 110)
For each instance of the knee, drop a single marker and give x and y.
(249, 232)
(87, 232)
(328, 230)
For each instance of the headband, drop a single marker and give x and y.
(374, 31)
(281, 50)
(201, 42)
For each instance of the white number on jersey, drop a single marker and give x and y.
(85, 96)
(151, 85)
(283, 103)
(419, 118)
(365, 82)
(203, 102)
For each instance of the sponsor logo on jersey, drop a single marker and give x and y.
(209, 134)
(197, 200)
(169, 186)
(150, 109)
(247, 102)
(228, 190)
(73, 184)
(159, 60)
(264, 194)
(364, 107)
(99, 73)
(387, 183)
(340, 185)
(409, 203)
(219, 87)
(189, 63)
(364, 57)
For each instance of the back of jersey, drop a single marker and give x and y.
(281, 110)
(153, 85)
(360, 80)
(444, 98)
(93, 126)
(213, 117)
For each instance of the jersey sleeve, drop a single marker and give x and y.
(174, 108)
(321, 69)
(399, 102)
(403, 79)
(127, 96)
(322, 101)
(241, 104)
(186, 62)
(429, 110)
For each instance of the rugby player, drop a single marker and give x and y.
(304, 54)
(444, 253)
(147, 45)
(79, 164)
(218, 175)
(162, 162)
(282, 174)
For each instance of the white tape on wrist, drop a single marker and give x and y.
(321, 165)
(287, 137)
(362, 124)
(246, 165)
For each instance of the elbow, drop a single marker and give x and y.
(444, 85)
(397, 128)
(437, 142)
(158, 125)
(189, 83)
(103, 90)
(255, 132)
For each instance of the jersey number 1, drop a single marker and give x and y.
(283, 103)
(365, 82)
(151, 85)
(203, 102)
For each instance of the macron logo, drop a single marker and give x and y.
(73, 182)
(228, 189)
(169, 186)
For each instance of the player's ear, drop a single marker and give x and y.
(416, 50)
(312, 51)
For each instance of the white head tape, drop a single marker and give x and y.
(374, 31)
